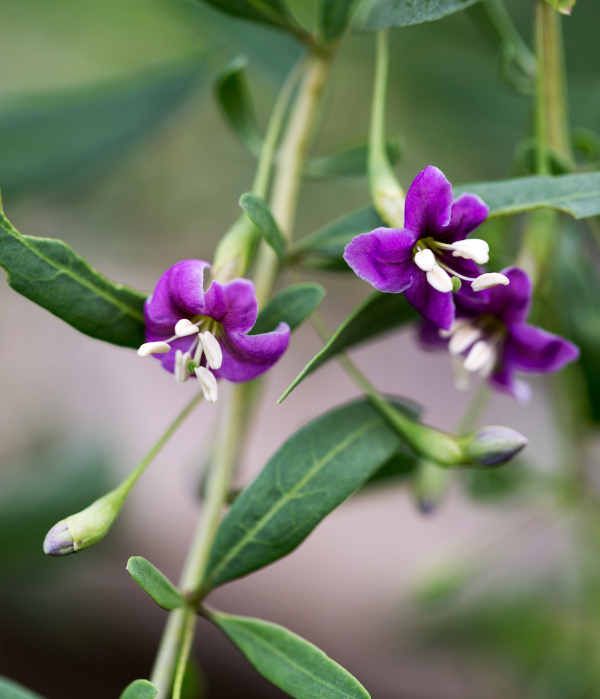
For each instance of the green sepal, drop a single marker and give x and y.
(288, 661)
(293, 305)
(139, 689)
(259, 213)
(155, 583)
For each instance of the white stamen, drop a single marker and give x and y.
(487, 368)
(463, 338)
(425, 260)
(486, 281)
(462, 378)
(149, 348)
(479, 356)
(181, 371)
(476, 250)
(185, 327)
(212, 350)
(456, 324)
(439, 279)
(208, 384)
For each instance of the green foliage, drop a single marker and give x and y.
(577, 194)
(403, 13)
(235, 100)
(265, 11)
(348, 161)
(259, 213)
(310, 475)
(51, 274)
(60, 139)
(334, 16)
(294, 665)
(377, 314)
(139, 689)
(293, 305)
(324, 249)
(399, 466)
(12, 690)
(155, 583)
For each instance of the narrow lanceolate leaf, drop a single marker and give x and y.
(259, 213)
(348, 161)
(309, 476)
(294, 665)
(54, 140)
(376, 315)
(233, 95)
(155, 583)
(13, 690)
(333, 17)
(325, 248)
(266, 11)
(402, 13)
(293, 306)
(139, 689)
(50, 273)
(578, 194)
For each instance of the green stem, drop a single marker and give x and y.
(189, 624)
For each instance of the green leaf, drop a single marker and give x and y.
(54, 140)
(310, 475)
(403, 13)
(325, 248)
(294, 665)
(347, 161)
(265, 11)
(50, 273)
(563, 6)
(139, 689)
(259, 213)
(578, 194)
(334, 16)
(13, 690)
(400, 465)
(376, 315)
(155, 583)
(233, 95)
(293, 306)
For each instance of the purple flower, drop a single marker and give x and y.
(420, 259)
(491, 334)
(207, 331)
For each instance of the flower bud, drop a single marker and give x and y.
(492, 445)
(429, 486)
(235, 250)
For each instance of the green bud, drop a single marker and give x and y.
(563, 6)
(429, 485)
(492, 445)
(235, 250)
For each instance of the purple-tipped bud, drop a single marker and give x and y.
(492, 445)
(58, 541)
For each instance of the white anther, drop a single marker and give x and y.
(486, 281)
(212, 350)
(439, 279)
(479, 356)
(181, 371)
(185, 327)
(208, 384)
(463, 338)
(149, 348)
(425, 260)
(476, 250)
(487, 368)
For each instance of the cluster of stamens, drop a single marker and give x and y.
(205, 344)
(442, 277)
(481, 345)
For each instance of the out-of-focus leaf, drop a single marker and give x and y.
(139, 689)
(376, 315)
(348, 161)
(54, 140)
(400, 465)
(293, 306)
(334, 16)
(233, 95)
(12, 690)
(294, 665)
(325, 248)
(266, 11)
(155, 583)
(309, 476)
(403, 13)
(51, 274)
(494, 484)
(259, 213)
(563, 6)
(577, 194)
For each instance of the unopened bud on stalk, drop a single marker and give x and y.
(235, 250)
(429, 486)
(492, 445)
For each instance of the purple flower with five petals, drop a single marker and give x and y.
(186, 324)
(492, 335)
(420, 259)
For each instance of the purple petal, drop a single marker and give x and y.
(428, 203)
(435, 306)
(247, 356)
(232, 304)
(503, 379)
(511, 303)
(383, 258)
(534, 350)
(428, 337)
(468, 212)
